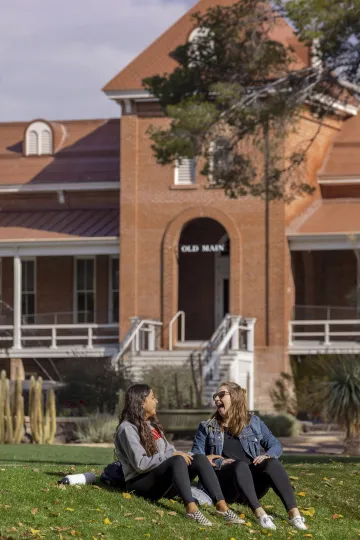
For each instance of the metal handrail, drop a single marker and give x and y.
(181, 315)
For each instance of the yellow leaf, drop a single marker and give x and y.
(34, 531)
(337, 516)
(325, 478)
(99, 510)
(302, 494)
(294, 478)
(172, 501)
(126, 495)
(308, 511)
(107, 521)
(267, 506)
(248, 523)
(70, 509)
(60, 536)
(242, 516)
(308, 535)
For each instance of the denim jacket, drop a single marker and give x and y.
(209, 439)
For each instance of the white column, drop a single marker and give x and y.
(17, 302)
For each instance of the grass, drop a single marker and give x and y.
(33, 506)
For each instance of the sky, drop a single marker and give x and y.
(55, 56)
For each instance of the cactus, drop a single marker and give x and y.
(43, 432)
(9, 431)
(18, 409)
(2, 406)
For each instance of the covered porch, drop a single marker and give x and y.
(325, 255)
(60, 290)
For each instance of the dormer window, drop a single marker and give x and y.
(38, 139)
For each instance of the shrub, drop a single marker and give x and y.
(282, 425)
(98, 428)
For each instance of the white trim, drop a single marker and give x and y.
(77, 351)
(185, 162)
(110, 289)
(75, 288)
(128, 94)
(322, 242)
(340, 181)
(336, 105)
(222, 272)
(81, 246)
(66, 186)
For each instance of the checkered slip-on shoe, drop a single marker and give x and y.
(200, 518)
(230, 517)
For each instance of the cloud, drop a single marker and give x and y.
(55, 56)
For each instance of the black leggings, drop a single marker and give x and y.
(247, 484)
(174, 472)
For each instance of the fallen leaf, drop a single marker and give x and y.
(107, 521)
(36, 470)
(248, 523)
(242, 516)
(325, 478)
(172, 501)
(70, 509)
(160, 512)
(337, 516)
(302, 494)
(310, 511)
(172, 513)
(128, 514)
(139, 519)
(126, 495)
(294, 478)
(268, 506)
(44, 490)
(308, 535)
(34, 511)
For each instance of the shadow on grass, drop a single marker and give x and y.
(52, 462)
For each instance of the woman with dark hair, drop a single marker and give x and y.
(152, 466)
(245, 476)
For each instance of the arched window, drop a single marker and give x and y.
(195, 38)
(221, 157)
(32, 143)
(45, 142)
(38, 139)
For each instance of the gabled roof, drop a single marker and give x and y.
(156, 58)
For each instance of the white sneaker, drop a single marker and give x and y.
(266, 522)
(200, 518)
(298, 522)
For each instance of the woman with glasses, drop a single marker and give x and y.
(152, 467)
(245, 476)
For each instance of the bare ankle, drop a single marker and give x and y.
(191, 508)
(294, 512)
(221, 506)
(259, 512)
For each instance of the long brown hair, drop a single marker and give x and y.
(238, 416)
(134, 413)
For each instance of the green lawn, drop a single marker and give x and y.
(32, 506)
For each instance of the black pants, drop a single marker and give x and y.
(247, 484)
(174, 472)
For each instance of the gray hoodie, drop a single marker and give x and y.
(132, 454)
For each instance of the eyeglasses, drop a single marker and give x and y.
(220, 395)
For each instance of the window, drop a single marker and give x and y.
(84, 290)
(28, 292)
(38, 139)
(114, 290)
(221, 157)
(195, 38)
(185, 172)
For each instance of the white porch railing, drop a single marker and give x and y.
(337, 334)
(142, 336)
(61, 335)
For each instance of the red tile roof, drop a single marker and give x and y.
(156, 59)
(59, 224)
(88, 151)
(343, 158)
(328, 217)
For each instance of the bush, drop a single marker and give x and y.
(98, 428)
(282, 425)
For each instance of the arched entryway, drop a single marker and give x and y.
(203, 276)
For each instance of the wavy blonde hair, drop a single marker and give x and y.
(238, 416)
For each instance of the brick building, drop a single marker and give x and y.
(149, 272)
